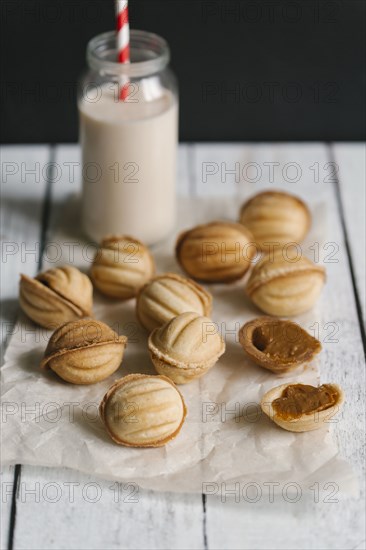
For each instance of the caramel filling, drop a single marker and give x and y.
(283, 342)
(299, 399)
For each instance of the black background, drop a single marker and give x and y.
(296, 67)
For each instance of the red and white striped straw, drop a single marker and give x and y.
(123, 41)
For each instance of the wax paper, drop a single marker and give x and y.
(225, 439)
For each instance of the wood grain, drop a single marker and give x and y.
(60, 513)
(351, 163)
(167, 519)
(23, 186)
(301, 524)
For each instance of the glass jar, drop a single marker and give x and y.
(128, 147)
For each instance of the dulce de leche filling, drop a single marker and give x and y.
(284, 342)
(299, 399)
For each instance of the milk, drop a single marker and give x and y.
(129, 163)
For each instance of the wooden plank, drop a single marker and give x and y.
(351, 162)
(241, 170)
(282, 524)
(128, 519)
(183, 170)
(63, 509)
(228, 525)
(23, 186)
(7, 484)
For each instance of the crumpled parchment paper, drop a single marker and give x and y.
(225, 439)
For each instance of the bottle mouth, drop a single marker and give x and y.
(149, 54)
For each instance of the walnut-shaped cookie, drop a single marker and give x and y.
(186, 347)
(143, 411)
(301, 407)
(122, 266)
(283, 287)
(168, 295)
(216, 252)
(56, 296)
(275, 217)
(278, 345)
(84, 352)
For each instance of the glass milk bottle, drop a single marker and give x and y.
(128, 147)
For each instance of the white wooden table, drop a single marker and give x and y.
(56, 509)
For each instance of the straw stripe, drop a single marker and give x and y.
(122, 16)
(124, 45)
(123, 41)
